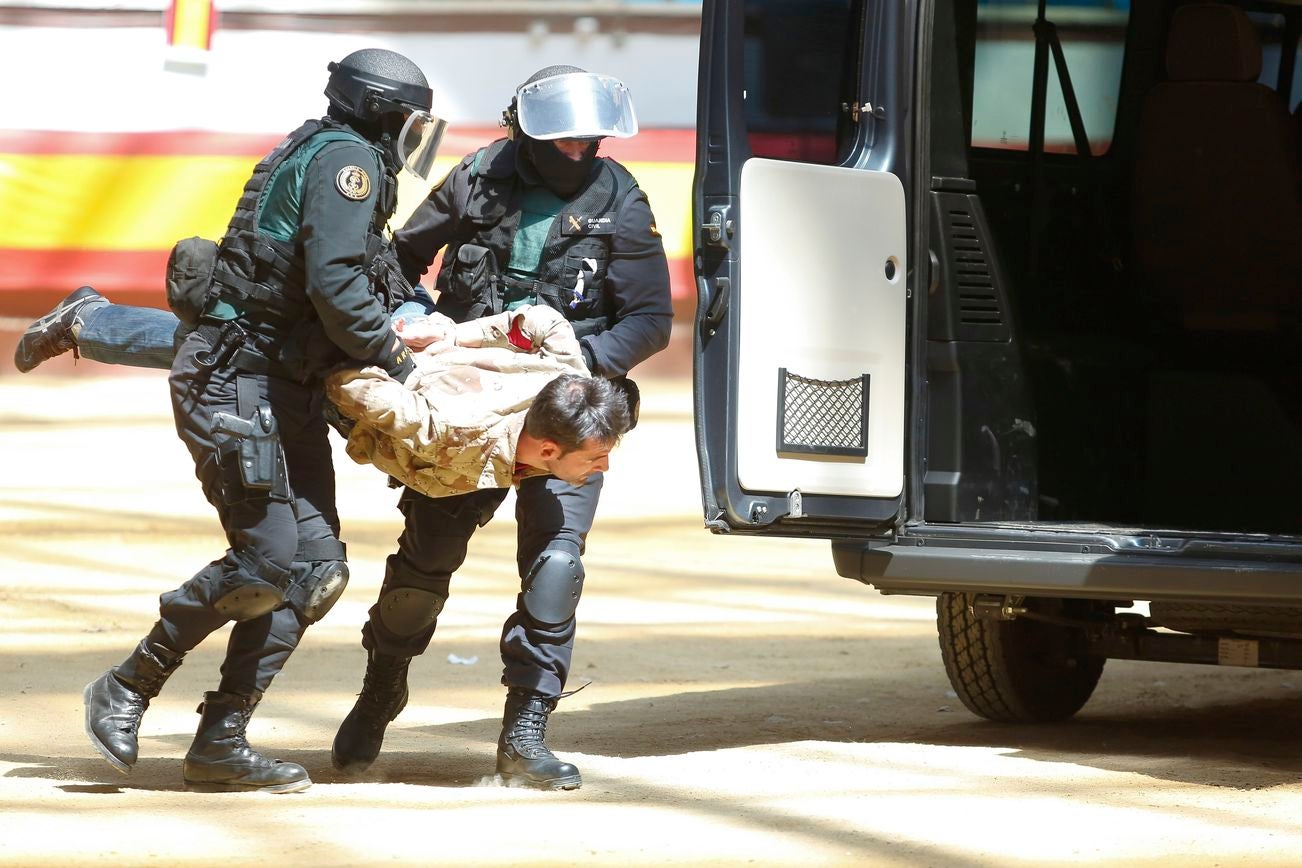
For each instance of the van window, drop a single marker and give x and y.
(800, 60)
(1093, 39)
(1272, 29)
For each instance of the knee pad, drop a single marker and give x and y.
(410, 600)
(317, 588)
(405, 612)
(553, 586)
(320, 574)
(255, 587)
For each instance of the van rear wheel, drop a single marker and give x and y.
(1018, 671)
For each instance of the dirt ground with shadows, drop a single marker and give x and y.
(745, 704)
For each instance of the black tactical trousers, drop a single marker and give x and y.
(433, 546)
(264, 530)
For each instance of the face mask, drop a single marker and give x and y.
(559, 173)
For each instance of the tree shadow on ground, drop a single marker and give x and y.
(163, 774)
(1244, 745)
(1219, 728)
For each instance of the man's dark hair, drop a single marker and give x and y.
(572, 409)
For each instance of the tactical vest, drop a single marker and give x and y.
(263, 278)
(572, 269)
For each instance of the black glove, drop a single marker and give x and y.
(589, 358)
(401, 363)
(633, 395)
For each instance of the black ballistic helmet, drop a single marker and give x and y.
(373, 82)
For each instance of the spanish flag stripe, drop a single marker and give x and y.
(664, 145)
(189, 24)
(106, 208)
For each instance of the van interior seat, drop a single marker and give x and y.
(1215, 211)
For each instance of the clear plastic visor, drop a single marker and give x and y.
(418, 143)
(576, 105)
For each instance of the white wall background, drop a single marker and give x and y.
(113, 78)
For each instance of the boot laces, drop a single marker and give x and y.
(381, 692)
(241, 733)
(529, 729)
(132, 709)
(135, 710)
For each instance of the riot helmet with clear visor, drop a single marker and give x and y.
(384, 90)
(575, 105)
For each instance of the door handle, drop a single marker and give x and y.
(717, 306)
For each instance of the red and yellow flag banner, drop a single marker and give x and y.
(190, 24)
(105, 208)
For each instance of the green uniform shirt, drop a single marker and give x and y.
(281, 204)
(538, 210)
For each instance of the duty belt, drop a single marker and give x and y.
(230, 344)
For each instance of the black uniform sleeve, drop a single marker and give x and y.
(637, 280)
(333, 228)
(434, 223)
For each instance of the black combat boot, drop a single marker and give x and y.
(522, 757)
(220, 759)
(52, 334)
(383, 697)
(117, 700)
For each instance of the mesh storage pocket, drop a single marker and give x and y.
(822, 417)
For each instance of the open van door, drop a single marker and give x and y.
(802, 274)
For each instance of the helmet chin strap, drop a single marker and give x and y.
(389, 152)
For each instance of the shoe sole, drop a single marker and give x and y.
(570, 782)
(94, 739)
(355, 767)
(212, 787)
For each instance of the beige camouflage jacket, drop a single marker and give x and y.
(453, 426)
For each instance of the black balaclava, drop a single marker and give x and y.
(558, 173)
(544, 160)
(381, 131)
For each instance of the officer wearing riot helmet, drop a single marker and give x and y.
(534, 218)
(292, 293)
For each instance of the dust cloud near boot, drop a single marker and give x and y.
(116, 701)
(383, 697)
(523, 758)
(220, 759)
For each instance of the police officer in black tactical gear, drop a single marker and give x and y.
(535, 218)
(296, 288)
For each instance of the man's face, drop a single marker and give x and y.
(576, 465)
(575, 149)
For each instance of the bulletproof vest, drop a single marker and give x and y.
(263, 278)
(571, 271)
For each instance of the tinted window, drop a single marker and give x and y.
(1274, 39)
(1093, 41)
(800, 60)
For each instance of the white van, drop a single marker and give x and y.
(1004, 300)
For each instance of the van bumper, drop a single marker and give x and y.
(920, 566)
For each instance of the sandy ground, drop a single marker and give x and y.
(746, 704)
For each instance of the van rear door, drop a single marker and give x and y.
(803, 275)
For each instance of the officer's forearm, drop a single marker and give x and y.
(353, 319)
(431, 226)
(631, 341)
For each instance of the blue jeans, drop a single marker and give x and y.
(119, 334)
(145, 337)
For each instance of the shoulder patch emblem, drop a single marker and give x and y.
(353, 182)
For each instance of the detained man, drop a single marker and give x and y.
(491, 402)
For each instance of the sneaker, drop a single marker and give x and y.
(51, 335)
